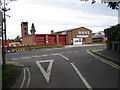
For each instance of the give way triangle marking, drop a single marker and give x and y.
(47, 73)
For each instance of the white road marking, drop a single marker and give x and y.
(81, 76)
(28, 77)
(35, 56)
(15, 58)
(62, 56)
(44, 55)
(104, 60)
(54, 54)
(45, 74)
(24, 77)
(25, 57)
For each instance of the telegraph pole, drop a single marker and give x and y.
(4, 36)
(3, 43)
(5, 21)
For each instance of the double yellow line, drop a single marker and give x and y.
(104, 60)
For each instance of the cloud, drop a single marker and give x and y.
(48, 18)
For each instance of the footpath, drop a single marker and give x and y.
(107, 54)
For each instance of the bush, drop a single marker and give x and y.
(112, 34)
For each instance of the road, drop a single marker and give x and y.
(70, 67)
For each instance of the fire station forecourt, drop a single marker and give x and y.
(69, 67)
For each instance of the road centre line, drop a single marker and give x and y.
(81, 77)
(62, 56)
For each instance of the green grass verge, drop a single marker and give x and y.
(7, 75)
(38, 47)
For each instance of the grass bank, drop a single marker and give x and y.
(39, 47)
(9, 76)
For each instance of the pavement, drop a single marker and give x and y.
(107, 54)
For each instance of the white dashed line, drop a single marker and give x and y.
(44, 55)
(15, 58)
(25, 57)
(35, 56)
(82, 78)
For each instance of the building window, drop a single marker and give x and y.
(79, 32)
(25, 29)
(70, 40)
(88, 32)
(25, 33)
(83, 32)
(89, 39)
(25, 26)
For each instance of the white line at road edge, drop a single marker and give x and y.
(24, 77)
(62, 56)
(104, 60)
(82, 78)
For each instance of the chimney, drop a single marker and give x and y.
(52, 31)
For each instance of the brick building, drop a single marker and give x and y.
(67, 37)
(99, 37)
(41, 39)
(75, 36)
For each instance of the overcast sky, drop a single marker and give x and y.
(58, 15)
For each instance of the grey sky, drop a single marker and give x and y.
(59, 15)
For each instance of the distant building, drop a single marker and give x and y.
(74, 36)
(79, 35)
(41, 39)
(99, 37)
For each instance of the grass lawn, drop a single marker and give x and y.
(39, 47)
(9, 75)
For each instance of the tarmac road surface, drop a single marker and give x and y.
(70, 67)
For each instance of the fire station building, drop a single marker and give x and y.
(41, 39)
(75, 36)
(79, 35)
